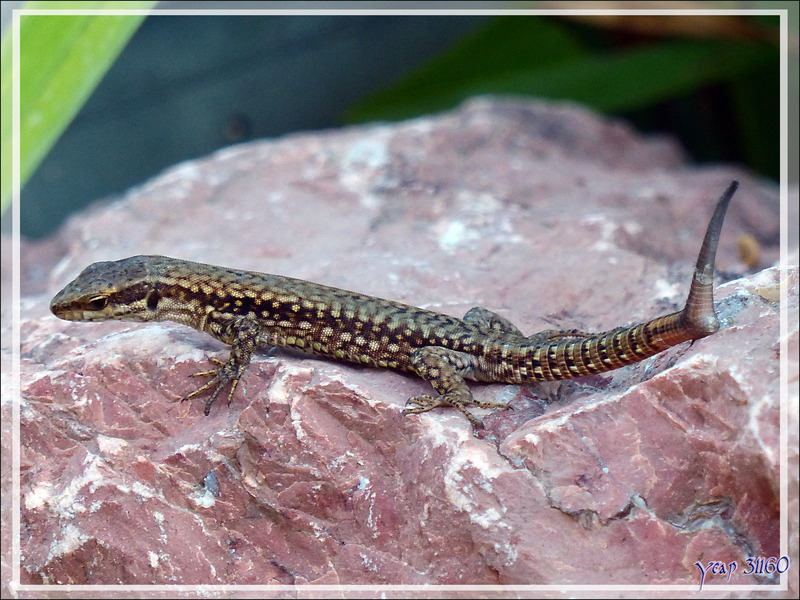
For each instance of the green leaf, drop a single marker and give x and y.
(62, 59)
(556, 68)
(631, 80)
(504, 48)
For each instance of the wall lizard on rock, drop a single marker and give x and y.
(251, 310)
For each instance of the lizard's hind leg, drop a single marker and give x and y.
(445, 370)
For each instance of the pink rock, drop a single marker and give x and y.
(546, 214)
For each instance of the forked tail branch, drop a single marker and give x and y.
(699, 316)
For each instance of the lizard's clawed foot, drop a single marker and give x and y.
(227, 372)
(425, 403)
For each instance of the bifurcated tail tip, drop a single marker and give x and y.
(699, 314)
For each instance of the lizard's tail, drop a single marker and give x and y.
(698, 317)
(570, 355)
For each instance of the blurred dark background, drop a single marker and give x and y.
(188, 85)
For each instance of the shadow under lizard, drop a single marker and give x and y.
(252, 311)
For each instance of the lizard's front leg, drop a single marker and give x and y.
(244, 332)
(445, 370)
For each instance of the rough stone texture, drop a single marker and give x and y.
(547, 214)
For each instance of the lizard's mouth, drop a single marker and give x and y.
(73, 314)
(64, 311)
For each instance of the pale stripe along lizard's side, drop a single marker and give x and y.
(251, 310)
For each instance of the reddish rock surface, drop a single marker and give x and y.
(547, 214)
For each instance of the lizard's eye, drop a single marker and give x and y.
(98, 303)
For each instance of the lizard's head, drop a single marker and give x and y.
(121, 289)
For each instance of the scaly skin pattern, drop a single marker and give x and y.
(254, 311)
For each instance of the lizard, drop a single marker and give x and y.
(251, 311)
